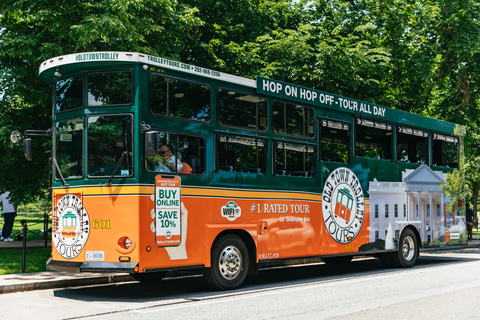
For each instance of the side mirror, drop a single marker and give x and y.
(151, 144)
(27, 148)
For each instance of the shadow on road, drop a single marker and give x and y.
(190, 287)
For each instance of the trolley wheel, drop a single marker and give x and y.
(407, 253)
(229, 264)
(338, 260)
(150, 277)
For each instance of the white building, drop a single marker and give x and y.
(416, 200)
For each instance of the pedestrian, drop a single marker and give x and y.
(9, 214)
(469, 216)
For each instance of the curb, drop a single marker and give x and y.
(61, 283)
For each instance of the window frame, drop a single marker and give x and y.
(178, 173)
(359, 121)
(276, 141)
(414, 132)
(184, 80)
(133, 146)
(83, 93)
(438, 136)
(217, 109)
(256, 137)
(110, 105)
(55, 147)
(305, 107)
(349, 135)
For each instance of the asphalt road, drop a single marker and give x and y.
(441, 286)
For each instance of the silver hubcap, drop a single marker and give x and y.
(408, 248)
(230, 262)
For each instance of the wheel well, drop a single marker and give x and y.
(249, 243)
(417, 235)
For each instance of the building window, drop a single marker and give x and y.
(405, 210)
(397, 234)
(376, 211)
(438, 210)
(386, 210)
(396, 210)
(376, 234)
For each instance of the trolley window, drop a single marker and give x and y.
(293, 119)
(109, 143)
(178, 153)
(373, 139)
(334, 140)
(445, 151)
(69, 148)
(178, 98)
(294, 159)
(110, 88)
(241, 110)
(69, 94)
(241, 153)
(412, 145)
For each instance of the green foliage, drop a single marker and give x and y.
(417, 56)
(35, 260)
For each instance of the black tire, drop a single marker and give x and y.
(229, 264)
(407, 253)
(149, 277)
(338, 260)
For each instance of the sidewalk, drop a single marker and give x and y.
(59, 279)
(51, 279)
(19, 244)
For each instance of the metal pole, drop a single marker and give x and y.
(45, 228)
(24, 254)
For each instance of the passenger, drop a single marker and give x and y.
(167, 161)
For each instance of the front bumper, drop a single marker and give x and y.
(91, 266)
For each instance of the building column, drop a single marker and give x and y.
(431, 217)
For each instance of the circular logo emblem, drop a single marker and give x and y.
(343, 205)
(71, 226)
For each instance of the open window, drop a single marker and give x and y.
(445, 151)
(334, 137)
(178, 153)
(240, 153)
(412, 145)
(294, 159)
(373, 139)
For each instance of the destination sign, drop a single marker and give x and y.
(311, 96)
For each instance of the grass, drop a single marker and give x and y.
(36, 258)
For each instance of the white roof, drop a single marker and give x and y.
(148, 60)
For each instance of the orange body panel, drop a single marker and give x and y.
(279, 228)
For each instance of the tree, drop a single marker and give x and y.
(34, 31)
